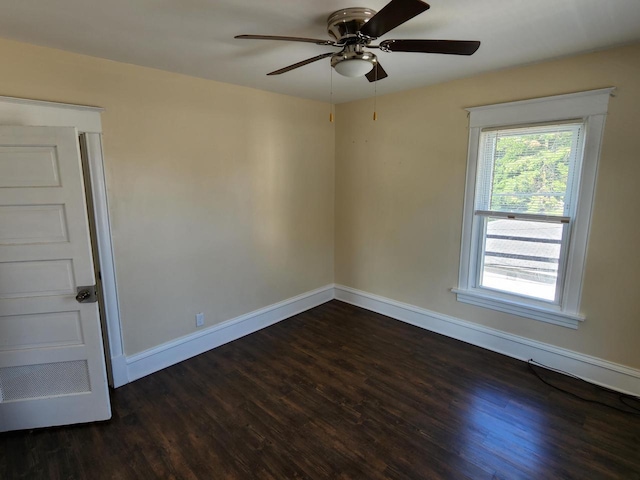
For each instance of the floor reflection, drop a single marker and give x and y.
(507, 426)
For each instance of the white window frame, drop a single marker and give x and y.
(591, 107)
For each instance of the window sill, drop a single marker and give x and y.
(522, 309)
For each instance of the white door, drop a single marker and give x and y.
(52, 369)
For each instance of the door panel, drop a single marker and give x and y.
(35, 166)
(36, 278)
(22, 332)
(52, 368)
(28, 224)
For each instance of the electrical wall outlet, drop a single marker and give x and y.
(199, 319)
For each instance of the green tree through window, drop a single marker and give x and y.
(531, 172)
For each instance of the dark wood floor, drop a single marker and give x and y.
(339, 392)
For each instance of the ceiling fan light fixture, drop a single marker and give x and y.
(353, 30)
(355, 67)
(353, 61)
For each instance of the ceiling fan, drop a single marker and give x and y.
(353, 30)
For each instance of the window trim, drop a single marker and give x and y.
(590, 106)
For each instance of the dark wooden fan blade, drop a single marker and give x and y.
(286, 39)
(451, 47)
(376, 73)
(301, 64)
(394, 13)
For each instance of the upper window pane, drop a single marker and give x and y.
(528, 170)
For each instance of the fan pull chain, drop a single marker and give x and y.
(331, 94)
(375, 93)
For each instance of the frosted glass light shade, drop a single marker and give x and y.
(354, 67)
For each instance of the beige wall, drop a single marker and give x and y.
(400, 189)
(221, 196)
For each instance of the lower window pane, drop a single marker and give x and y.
(521, 257)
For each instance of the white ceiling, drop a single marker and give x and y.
(195, 37)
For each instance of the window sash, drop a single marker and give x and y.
(486, 162)
(487, 142)
(523, 216)
(478, 266)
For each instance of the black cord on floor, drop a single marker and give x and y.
(622, 397)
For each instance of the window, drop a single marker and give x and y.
(530, 183)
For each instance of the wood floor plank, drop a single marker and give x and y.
(342, 393)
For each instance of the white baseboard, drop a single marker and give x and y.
(608, 374)
(155, 359)
(612, 375)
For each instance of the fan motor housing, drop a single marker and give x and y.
(354, 52)
(346, 23)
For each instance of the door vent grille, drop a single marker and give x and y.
(44, 380)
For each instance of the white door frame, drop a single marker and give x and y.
(87, 120)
